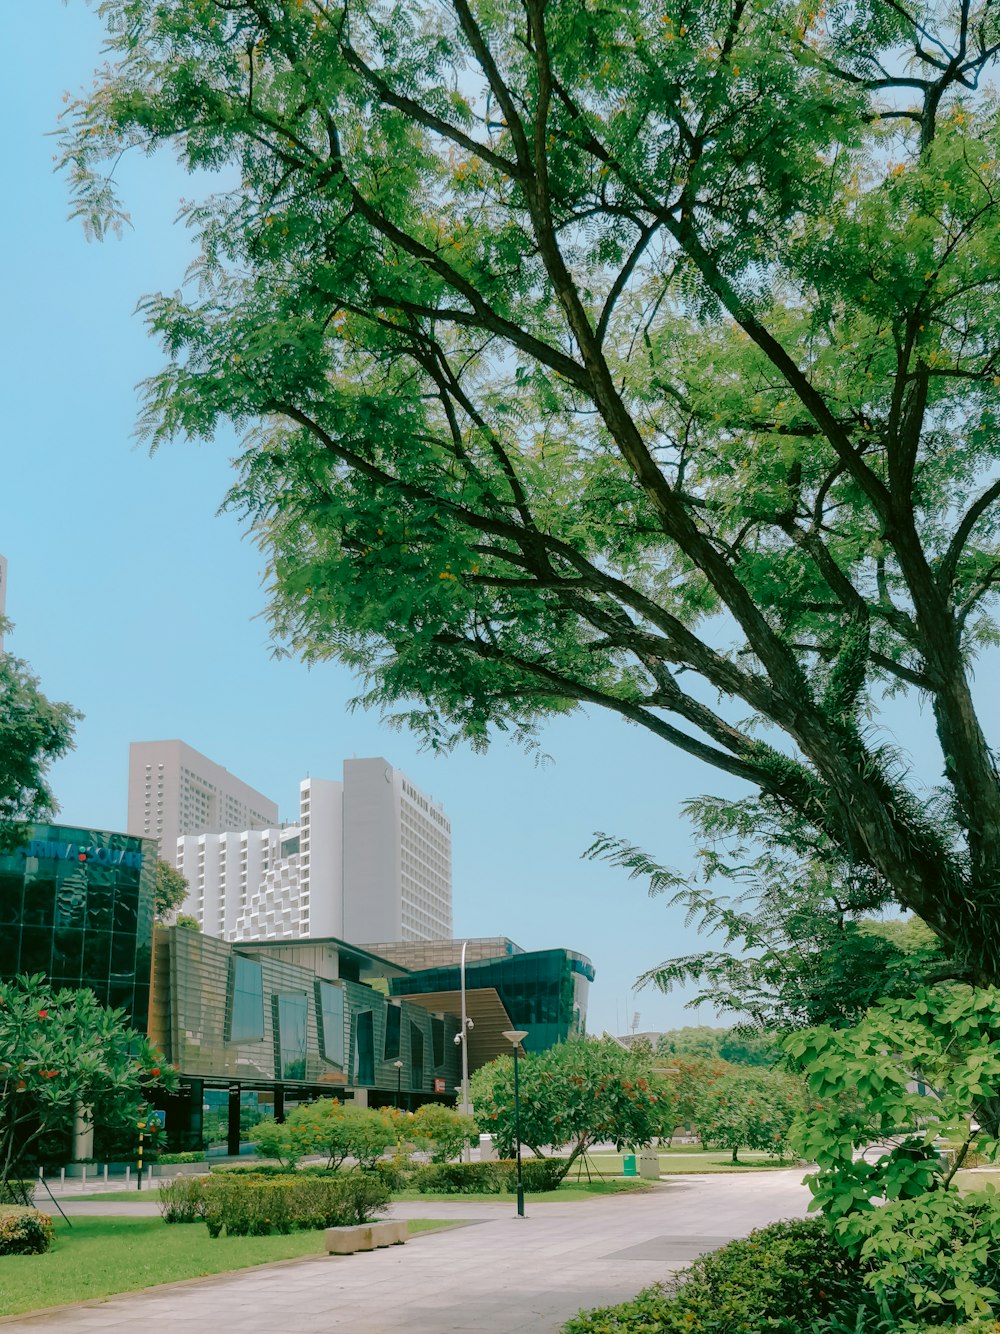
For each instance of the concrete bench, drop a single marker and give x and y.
(365, 1236)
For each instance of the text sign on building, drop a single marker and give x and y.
(79, 852)
(439, 1086)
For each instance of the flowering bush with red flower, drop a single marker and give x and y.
(61, 1050)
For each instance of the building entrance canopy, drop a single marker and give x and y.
(489, 1019)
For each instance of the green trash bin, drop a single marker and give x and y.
(629, 1168)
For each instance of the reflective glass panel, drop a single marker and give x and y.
(247, 983)
(365, 1041)
(393, 1025)
(331, 1022)
(291, 1030)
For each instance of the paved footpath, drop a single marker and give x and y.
(501, 1274)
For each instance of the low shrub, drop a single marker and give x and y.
(261, 1170)
(489, 1178)
(24, 1231)
(16, 1192)
(246, 1205)
(782, 1279)
(183, 1200)
(169, 1159)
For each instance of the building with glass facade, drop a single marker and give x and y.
(256, 1027)
(77, 905)
(542, 991)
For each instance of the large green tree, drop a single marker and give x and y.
(802, 936)
(578, 1093)
(632, 355)
(34, 732)
(61, 1052)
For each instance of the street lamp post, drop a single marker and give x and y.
(462, 1039)
(399, 1081)
(515, 1036)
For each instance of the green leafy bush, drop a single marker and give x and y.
(442, 1130)
(245, 1205)
(276, 1141)
(24, 1231)
(914, 1072)
(169, 1159)
(783, 1279)
(183, 1199)
(496, 1178)
(16, 1192)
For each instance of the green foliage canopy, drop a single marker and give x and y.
(634, 356)
(748, 1109)
(169, 891)
(34, 732)
(61, 1050)
(581, 1092)
(442, 1130)
(913, 1074)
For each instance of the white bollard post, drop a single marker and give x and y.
(62, 1176)
(84, 1176)
(128, 1176)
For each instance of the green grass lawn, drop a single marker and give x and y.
(99, 1257)
(571, 1189)
(675, 1162)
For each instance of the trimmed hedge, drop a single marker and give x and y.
(490, 1178)
(24, 1231)
(183, 1199)
(257, 1206)
(782, 1279)
(169, 1159)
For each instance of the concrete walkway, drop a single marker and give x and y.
(502, 1275)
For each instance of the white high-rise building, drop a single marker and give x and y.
(370, 858)
(174, 790)
(397, 857)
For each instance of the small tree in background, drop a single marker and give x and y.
(579, 1093)
(169, 891)
(61, 1050)
(442, 1130)
(337, 1130)
(34, 732)
(748, 1109)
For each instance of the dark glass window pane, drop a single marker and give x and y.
(246, 980)
(10, 948)
(36, 949)
(331, 1022)
(365, 1042)
(123, 952)
(393, 1024)
(100, 907)
(71, 900)
(437, 1042)
(67, 955)
(39, 902)
(416, 1058)
(291, 1024)
(97, 954)
(126, 910)
(11, 891)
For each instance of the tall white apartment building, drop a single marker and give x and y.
(174, 790)
(397, 857)
(370, 859)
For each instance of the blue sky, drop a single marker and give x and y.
(135, 601)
